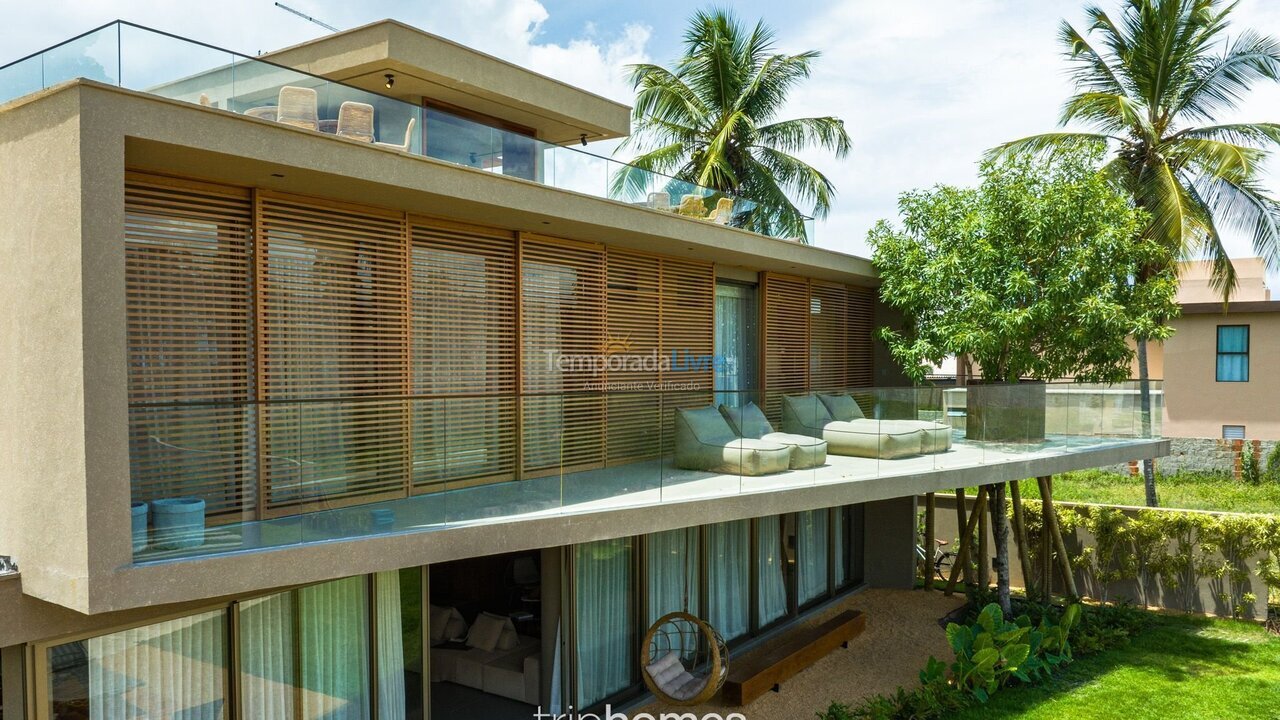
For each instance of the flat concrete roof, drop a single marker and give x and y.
(1234, 308)
(432, 67)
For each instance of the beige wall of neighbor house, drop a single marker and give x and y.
(429, 66)
(1197, 405)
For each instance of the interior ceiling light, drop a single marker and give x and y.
(391, 80)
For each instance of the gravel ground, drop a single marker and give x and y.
(902, 632)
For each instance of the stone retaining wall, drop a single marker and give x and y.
(1204, 455)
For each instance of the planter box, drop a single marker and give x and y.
(1006, 412)
(179, 523)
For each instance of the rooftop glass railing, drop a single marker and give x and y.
(145, 60)
(218, 478)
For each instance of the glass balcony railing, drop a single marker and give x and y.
(216, 478)
(137, 58)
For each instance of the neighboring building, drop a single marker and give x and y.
(1218, 382)
(302, 380)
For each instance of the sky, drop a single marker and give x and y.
(923, 86)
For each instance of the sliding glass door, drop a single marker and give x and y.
(729, 578)
(605, 625)
(812, 550)
(771, 583)
(737, 348)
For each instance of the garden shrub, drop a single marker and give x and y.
(1250, 468)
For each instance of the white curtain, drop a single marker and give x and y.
(729, 578)
(673, 572)
(334, 643)
(391, 694)
(602, 587)
(811, 545)
(266, 657)
(772, 592)
(173, 669)
(735, 343)
(841, 533)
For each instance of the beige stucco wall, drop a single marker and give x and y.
(1196, 405)
(1194, 284)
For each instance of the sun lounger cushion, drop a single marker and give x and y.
(804, 415)
(749, 421)
(872, 439)
(705, 441)
(841, 407)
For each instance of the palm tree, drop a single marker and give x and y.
(1150, 90)
(711, 120)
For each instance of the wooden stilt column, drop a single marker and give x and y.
(965, 551)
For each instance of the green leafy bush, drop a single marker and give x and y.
(935, 698)
(1250, 468)
(993, 651)
(1272, 473)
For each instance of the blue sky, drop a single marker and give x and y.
(924, 86)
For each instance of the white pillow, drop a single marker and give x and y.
(486, 632)
(439, 619)
(509, 639)
(456, 628)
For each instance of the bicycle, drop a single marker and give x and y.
(943, 559)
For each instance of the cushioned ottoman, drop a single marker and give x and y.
(749, 422)
(937, 436)
(705, 441)
(872, 439)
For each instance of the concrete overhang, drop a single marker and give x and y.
(429, 66)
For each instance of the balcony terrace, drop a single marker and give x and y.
(144, 60)
(447, 477)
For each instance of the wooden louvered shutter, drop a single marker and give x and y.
(786, 340)
(688, 338)
(861, 326)
(190, 335)
(562, 313)
(333, 334)
(634, 403)
(464, 353)
(828, 336)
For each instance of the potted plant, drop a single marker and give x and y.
(1030, 275)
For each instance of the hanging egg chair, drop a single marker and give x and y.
(683, 660)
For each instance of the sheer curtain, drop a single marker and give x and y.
(840, 531)
(266, 657)
(673, 572)
(812, 547)
(391, 697)
(729, 578)
(772, 592)
(334, 643)
(602, 592)
(735, 343)
(173, 669)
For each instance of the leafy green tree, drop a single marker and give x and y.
(711, 119)
(1031, 274)
(1150, 89)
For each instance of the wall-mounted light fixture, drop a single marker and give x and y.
(391, 80)
(583, 138)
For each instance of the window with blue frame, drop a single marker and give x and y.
(1233, 353)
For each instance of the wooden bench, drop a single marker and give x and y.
(767, 669)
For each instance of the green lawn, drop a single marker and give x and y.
(1185, 491)
(1180, 668)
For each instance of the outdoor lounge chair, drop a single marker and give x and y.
(807, 415)
(937, 436)
(705, 441)
(723, 211)
(749, 421)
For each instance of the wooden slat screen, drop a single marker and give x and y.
(190, 337)
(333, 331)
(861, 303)
(562, 313)
(688, 338)
(828, 336)
(464, 353)
(634, 404)
(786, 340)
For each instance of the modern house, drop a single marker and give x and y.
(343, 382)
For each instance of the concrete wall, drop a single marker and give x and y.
(1203, 600)
(890, 554)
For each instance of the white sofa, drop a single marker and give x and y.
(513, 674)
